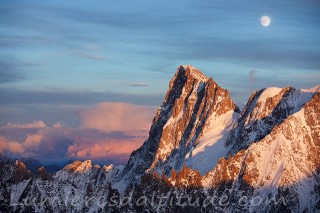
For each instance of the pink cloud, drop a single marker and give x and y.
(117, 117)
(57, 125)
(10, 145)
(108, 132)
(75, 143)
(31, 141)
(111, 148)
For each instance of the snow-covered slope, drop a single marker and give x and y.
(212, 146)
(266, 109)
(78, 187)
(278, 173)
(284, 164)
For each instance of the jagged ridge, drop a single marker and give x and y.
(270, 151)
(191, 102)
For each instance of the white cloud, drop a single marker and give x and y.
(35, 124)
(57, 125)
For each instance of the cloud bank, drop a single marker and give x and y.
(117, 117)
(108, 133)
(31, 141)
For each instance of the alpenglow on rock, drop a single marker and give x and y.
(266, 108)
(279, 166)
(263, 159)
(189, 110)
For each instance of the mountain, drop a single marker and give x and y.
(79, 186)
(193, 107)
(272, 163)
(275, 151)
(202, 155)
(34, 165)
(266, 109)
(31, 164)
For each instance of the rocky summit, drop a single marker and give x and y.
(191, 107)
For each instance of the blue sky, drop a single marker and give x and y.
(134, 47)
(59, 56)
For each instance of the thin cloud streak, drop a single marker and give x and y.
(138, 84)
(35, 124)
(92, 56)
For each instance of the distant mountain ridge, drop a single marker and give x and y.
(33, 164)
(264, 158)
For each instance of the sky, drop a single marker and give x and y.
(75, 76)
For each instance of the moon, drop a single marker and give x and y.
(265, 21)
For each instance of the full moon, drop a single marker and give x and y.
(265, 21)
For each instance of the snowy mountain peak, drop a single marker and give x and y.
(72, 166)
(194, 72)
(193, 102)
(79, 166)
(266, 109)
(85, 166)
(21, 165)
(185, 72)
(41, 169)
(107, 168)
(269, 93)
(283, 162)
(313, 89)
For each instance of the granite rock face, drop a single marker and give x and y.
(191, 102)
